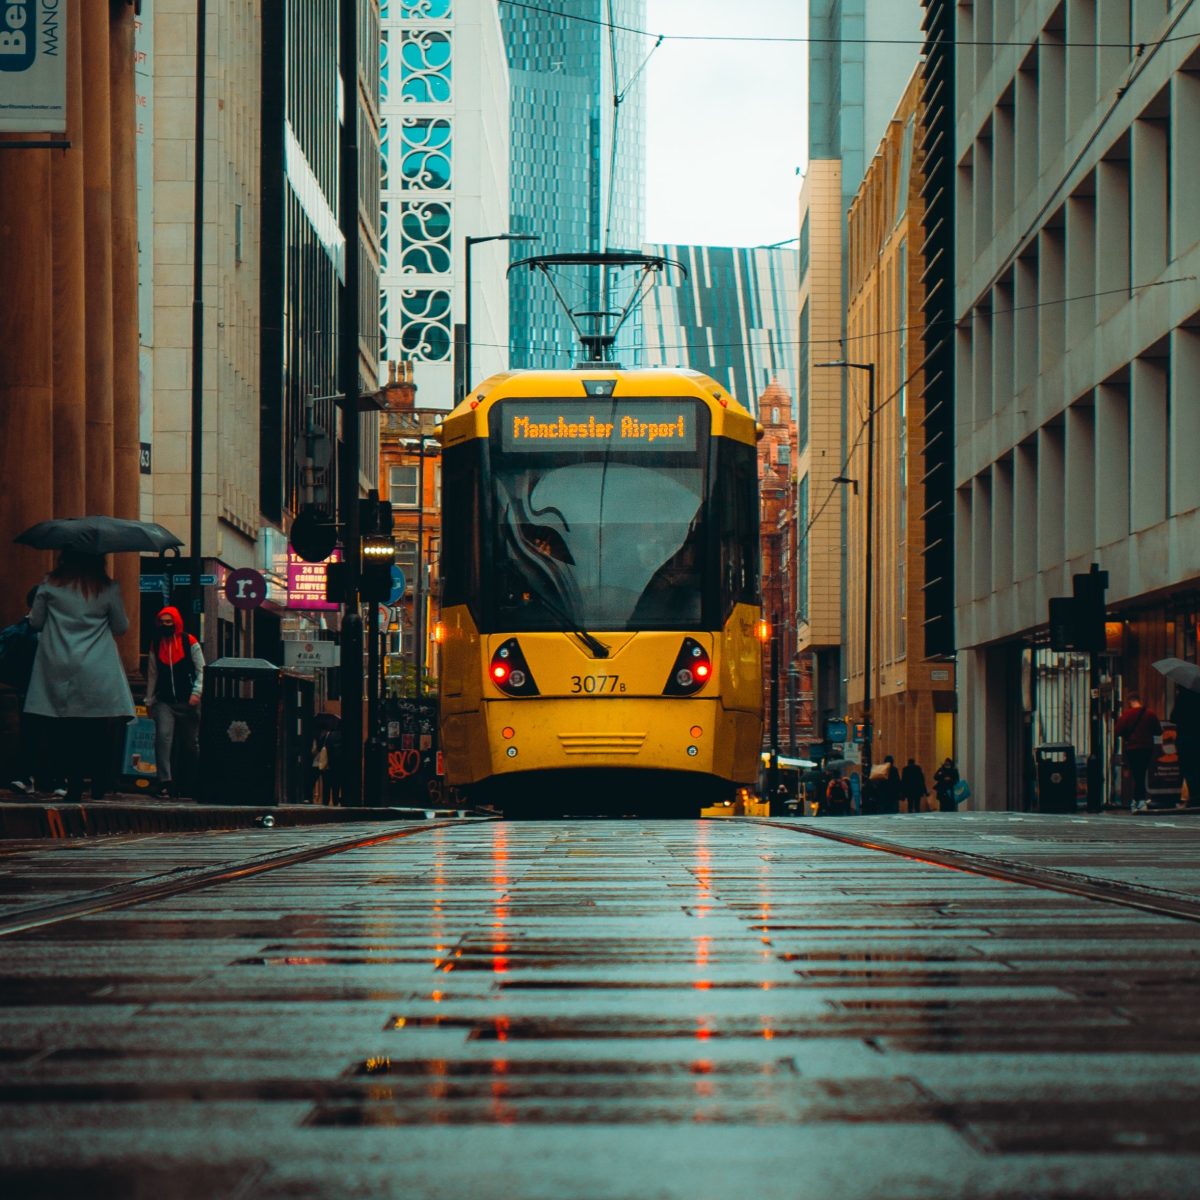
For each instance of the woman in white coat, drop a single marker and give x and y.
(78, 681)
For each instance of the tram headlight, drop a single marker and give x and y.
(510, 672)
(691, 671)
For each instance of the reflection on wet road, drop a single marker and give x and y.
(595, 1009)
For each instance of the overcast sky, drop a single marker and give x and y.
(726, 122)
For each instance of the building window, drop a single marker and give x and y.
(425, 66)
(402, 487)
(425, 229)
(802, 423)
(802, 551)
(425, 330)
(425, 153)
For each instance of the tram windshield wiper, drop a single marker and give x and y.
(568, 625)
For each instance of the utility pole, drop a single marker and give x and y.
(192, 619)
(348, 375)
(868, 559)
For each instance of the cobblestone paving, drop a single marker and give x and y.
(610, 1010)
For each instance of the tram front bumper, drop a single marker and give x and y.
(685, 735)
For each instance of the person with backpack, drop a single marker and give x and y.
(174, 685)
(945, 779)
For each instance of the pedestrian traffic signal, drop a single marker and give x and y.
(378, 556)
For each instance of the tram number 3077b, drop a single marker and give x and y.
(596, 684)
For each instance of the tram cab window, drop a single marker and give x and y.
(737, 517)
(601, 544)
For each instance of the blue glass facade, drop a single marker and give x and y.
(577, 162)
(733, 318)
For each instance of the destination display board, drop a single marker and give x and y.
(532, 426)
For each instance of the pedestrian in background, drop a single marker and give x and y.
(19, 647)
(1186, 717)
(327, 759)
(944, 779)
(888, 786)
(913, 786)
(77, 678)
(1138, 729)
(174, 685)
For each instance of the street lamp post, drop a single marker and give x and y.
(419, 583)
(468, 243)
(868, 563)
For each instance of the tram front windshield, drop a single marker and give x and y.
(598, 514)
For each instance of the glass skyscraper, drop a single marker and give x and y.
(578, 147)
(733, 317)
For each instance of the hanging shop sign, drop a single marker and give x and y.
(33, 66)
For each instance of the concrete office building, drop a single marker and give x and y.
(733, 317)
(273, 268)
(860, 61)
(578, 149)
(231, 231)
(913, 701)
(1078, 363)
(444, 104)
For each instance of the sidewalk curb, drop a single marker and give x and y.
(31, 820)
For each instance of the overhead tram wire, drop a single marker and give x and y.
(922, 329)
(806, 39)
(956, 323)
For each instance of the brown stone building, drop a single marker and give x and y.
(410, 474)
(68, 307)
(788, 698)
(912, 694)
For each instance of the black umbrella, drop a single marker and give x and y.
(98, 535)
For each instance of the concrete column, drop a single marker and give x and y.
(98, 252)
(26, 366)
(126, 499)
(70, 317)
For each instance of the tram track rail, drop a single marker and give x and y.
(1126, 895)
(129, 895)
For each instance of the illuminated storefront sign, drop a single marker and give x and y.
(306, 583)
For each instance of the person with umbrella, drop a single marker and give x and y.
(77, 679)
(1185, 715)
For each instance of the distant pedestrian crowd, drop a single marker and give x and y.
(890, 789)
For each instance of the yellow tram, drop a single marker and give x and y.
(601, 611)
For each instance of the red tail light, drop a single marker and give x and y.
(509, 671)
(692, 670)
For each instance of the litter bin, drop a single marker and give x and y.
(1056, 777)
(240, 733)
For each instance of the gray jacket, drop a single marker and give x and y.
(77, 671)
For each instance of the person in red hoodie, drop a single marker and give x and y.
(1139, 728)
(174, 684)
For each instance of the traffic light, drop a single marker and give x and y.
(1090, 610)
(1077, 621)
(378, 549)
(1062, 623)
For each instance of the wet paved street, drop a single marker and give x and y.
(611, 1010)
